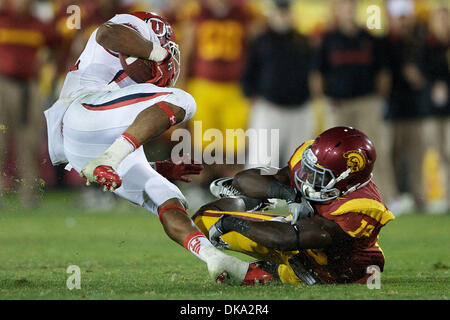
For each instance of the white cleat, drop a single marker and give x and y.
(222, 188)
(227, 269)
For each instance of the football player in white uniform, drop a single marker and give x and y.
(103, 118)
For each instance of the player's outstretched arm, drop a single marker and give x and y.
(125, 40)
(177, 170)
(312, 233)
(254, 184)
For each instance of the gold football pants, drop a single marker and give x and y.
(239, 243)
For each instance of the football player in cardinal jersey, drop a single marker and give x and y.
(103, 117)
(336, 212)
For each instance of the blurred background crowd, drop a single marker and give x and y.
(299, 66)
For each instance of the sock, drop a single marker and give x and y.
(199, 245)
(217, 261)
(120, 149)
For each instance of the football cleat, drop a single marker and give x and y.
(269, 267)
(105, 176)
(227, 269)
(256, 275)
(222, 188)
(222, 277)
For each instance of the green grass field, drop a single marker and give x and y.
(125, 255)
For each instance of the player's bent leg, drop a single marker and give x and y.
(222, 268)
(144, 186)
(129, 108)
(179, 227)
(175, 220)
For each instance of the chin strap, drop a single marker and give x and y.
(358, 186)
(342, 176)
(311, 194)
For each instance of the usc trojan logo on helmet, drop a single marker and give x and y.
(356, 161)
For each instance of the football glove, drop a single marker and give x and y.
(300, 210)
(215, 233)
(176, 171)
(163, 72)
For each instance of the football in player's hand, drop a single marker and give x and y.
(138, 69)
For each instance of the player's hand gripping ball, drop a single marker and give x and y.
(138, 69)
(145, 71)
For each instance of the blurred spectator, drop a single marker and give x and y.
(351, 71)
(22, 36)
(407, 115)
(276, 81)
(435, 66)
(214, 45)
(94, 13)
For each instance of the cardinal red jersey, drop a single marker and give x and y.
(21, 38)
(219, 53)
(361, 214)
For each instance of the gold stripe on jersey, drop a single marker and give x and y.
(369, 207)
(21, 37)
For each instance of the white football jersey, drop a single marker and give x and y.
(97, 66)
(98, 102)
